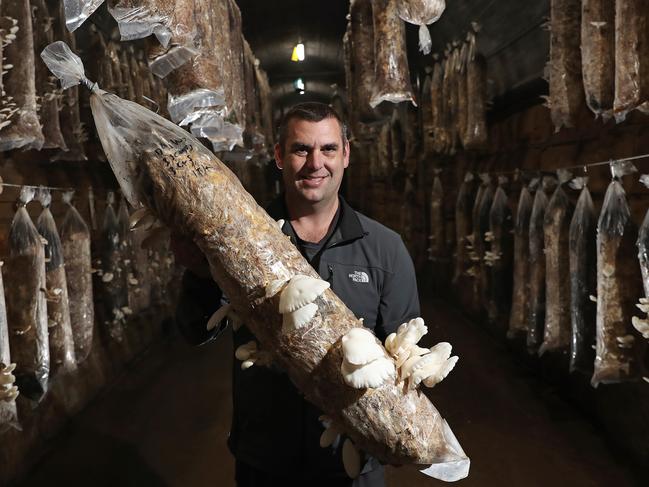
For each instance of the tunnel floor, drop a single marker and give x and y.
(166, 420)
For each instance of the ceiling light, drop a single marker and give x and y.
(298, 84)
(298, 52)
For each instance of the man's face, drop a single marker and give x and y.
(313, 160)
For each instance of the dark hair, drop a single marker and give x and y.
(311, 112)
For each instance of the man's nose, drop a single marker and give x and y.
(315, 159)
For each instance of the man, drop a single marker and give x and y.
(275, 432)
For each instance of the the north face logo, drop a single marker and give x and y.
(359, 276)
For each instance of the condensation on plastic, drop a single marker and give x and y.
(392, 74)
(422, 13)
(75, 238)
(536, 316)
(137, 22)
(49, 95)
(19, 82)
(361, 38)
(70, 119)
(26, 305)
(8, 412)
(583, 280)
(643, 244)
(77, 11)
(631, 58)
(172, 59)
(61, 342)
(520, 294)
(556, 231)
(476, 79)
(501, 244)
(618, 290)
(112, 281)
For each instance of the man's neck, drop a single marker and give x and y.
(311, 222)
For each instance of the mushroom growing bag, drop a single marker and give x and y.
(78, 268)
(26, 305)
(174, 177)
(62, 357)
(422, 13)
(8, 412)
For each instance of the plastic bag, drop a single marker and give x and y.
(8, 412)
(111, 279)
(204, 85)
(499, 258)
(26, 305)
(631, 57)
(137, 19)
(61, 342)
(438, 111)
(536, 317)
(556, 231)
(362, 58)
(598, 55)
(391, 75)
(476, 82)
(70, 118)
(450, 97)
(49, 96)
(564, 68)
(422, 13)
(77, 11)
(483, 245)
(463, 226)
(19, 126)
(462, 115)
(618, 289)
(520, 295)
(583, 280)
(75, 238)
(437, 238)
(642, 324)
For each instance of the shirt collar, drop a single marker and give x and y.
(349, 225)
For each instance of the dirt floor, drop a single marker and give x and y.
(165, 422)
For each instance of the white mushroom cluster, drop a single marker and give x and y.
(642, 325)
(249, 354)
(8, 391)
(365, 362)
(415, 364)
(296, 301)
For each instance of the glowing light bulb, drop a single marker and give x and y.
(298, 53)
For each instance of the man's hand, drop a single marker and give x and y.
(189, 255)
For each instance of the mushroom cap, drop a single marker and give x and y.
(373, 374)
(361, 347)
(351, 459)
(300, 291)
(440, 375)
(245, 351)
(298, 318)
(328, 436)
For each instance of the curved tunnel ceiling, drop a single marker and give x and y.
(512, 38)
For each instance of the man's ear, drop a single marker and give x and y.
(346, 162)
(278, 157)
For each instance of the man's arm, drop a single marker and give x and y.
(199, 298)
(399, 297)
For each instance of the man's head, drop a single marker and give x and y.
(312, 152)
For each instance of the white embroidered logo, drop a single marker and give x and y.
(359, 276)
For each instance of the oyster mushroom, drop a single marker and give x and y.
(300, 291)
(298, 318)
(351, 459)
